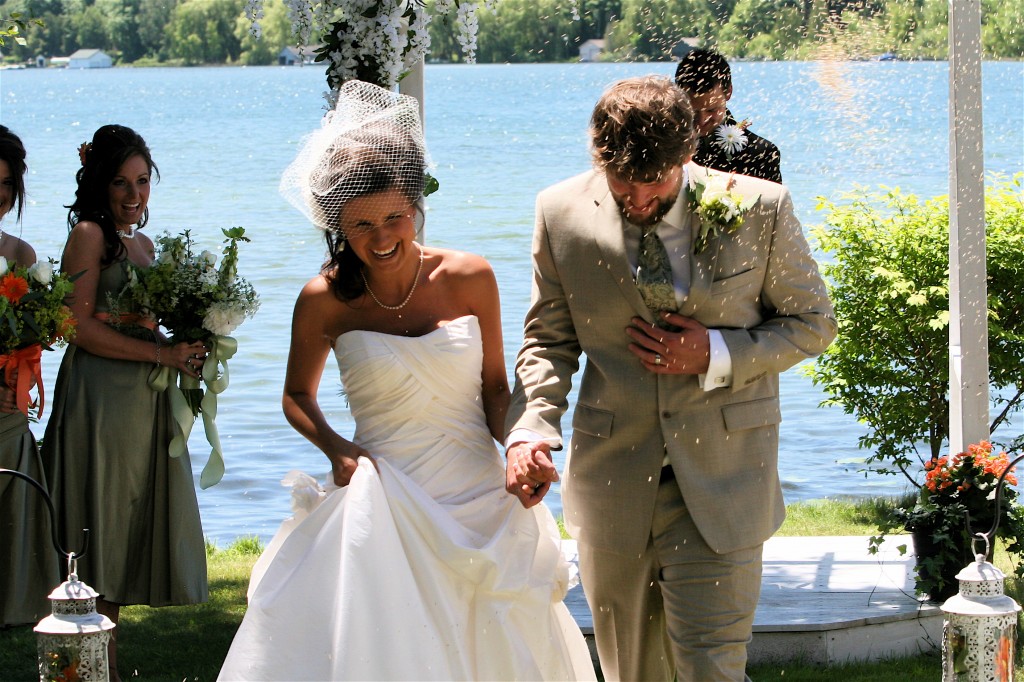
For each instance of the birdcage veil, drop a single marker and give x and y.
(370, 142)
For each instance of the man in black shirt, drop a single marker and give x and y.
(722, 143)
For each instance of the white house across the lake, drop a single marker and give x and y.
(291, 55)
(90, 59)
(591, 49)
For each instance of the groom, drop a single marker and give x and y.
(671, 484)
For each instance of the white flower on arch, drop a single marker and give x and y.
(374, 40)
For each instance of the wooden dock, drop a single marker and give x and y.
(826, 600)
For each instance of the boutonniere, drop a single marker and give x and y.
(719, 208)
(731, 138)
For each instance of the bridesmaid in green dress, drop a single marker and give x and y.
(28, 560)
(105, 450)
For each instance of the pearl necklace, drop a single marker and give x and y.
(127, 234)
(408, 296)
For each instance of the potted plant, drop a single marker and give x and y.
(957, 501)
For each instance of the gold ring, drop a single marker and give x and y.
(657, 359)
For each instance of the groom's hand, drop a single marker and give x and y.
(687, 350)
(529, 472)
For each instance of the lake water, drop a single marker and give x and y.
(498, 134)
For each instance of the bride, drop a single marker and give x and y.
(415, 564)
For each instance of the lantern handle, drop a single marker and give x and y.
(991, 534)
(72, 556)
(974, 551)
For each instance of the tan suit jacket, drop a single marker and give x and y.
(759, 286)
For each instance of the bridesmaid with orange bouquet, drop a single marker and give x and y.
(28, 561)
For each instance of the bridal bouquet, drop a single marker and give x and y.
(719, 208)
(33, 316)
(194, 299)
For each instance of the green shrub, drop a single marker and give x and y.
(889, 281)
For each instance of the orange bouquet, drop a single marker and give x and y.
(33, 316)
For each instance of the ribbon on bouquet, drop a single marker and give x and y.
(25, 363)
(215, 376)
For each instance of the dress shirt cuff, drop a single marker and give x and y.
(527, 436)
(719, 374)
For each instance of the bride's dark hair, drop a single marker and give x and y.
(111, 146)
(370, 160)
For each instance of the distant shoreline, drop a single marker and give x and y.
(144, 64)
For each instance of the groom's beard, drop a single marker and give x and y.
(660, 211)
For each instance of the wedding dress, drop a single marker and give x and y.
(427, 568)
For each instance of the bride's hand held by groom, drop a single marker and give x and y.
(529, 472)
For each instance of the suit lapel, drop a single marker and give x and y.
(611, 242)
(702, 265)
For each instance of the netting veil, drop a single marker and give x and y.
(371, 142)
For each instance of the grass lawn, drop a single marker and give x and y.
(188, 643)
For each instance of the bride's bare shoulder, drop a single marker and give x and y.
(459, 263)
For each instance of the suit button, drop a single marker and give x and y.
(666, 415)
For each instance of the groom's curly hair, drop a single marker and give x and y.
(641, 127)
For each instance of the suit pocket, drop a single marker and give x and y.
(752, 414)
(747, 278)
(592, 421)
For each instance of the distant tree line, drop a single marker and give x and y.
(217, 32)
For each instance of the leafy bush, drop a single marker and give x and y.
(889, 283)
(889, 365)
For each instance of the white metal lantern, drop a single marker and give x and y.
(979, 632)
(72, 641)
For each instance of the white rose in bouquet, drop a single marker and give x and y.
(209, 279)
(717, 189)
(41, 271)
(3, 266)
(222, 320)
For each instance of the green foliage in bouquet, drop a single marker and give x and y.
(194, 300)
(188, 294)
(32, 306)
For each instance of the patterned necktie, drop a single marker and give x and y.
(654, 275)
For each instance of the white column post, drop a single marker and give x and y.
(412, 85)
(968, 324)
